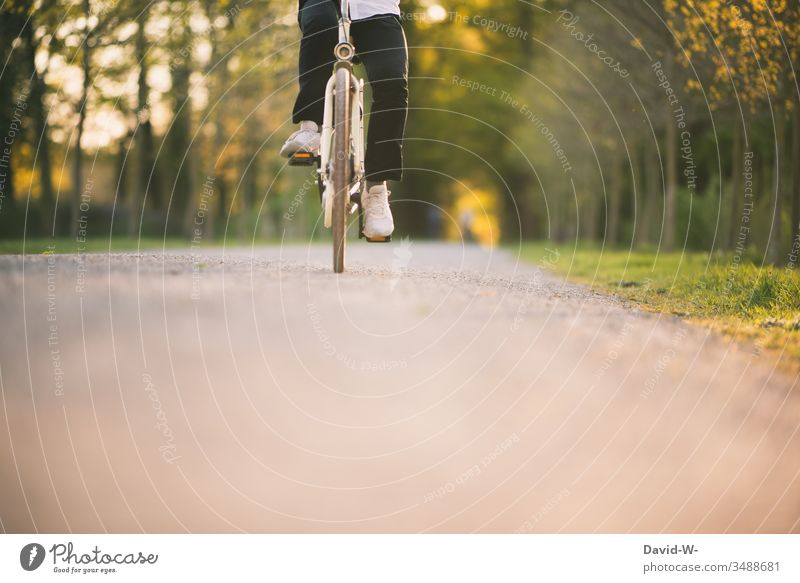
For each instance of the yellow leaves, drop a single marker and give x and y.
(472, 40)
(474, 214)
(26, 176)
(426, 58)
(778, 6)
(743, 41)
(714, 95)
(693, 84)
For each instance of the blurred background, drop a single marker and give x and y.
(641, 124)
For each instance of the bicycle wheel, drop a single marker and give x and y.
(341, 165)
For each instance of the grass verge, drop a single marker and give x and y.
(732, 294)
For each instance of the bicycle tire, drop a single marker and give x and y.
(341, 167)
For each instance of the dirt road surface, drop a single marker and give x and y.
(431, 388)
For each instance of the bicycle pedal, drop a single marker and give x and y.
(386, 239)
(303, 159)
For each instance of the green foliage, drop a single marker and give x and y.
(196, 89)
(698, 214)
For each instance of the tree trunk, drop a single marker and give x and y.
(637, 234)
(247, 190)
(524, 226)
(736, 194)
(179, 149)
(45, 167)
(147, 183)
(520, 179)
(671, 193)
(589, 218)
(7, 202)
(244, 213)
(220, 181)
(191, 183)
(77, 161)
(556, 204)
(12, 20)
(209, 226)
(774, 246)
(121, 168)
(511, 212)
(571, 213)
(77, 177)
(653, 196)
(189, 171)
(218, 151)
(42, 146)
(218, 214)
(614, 194)
(222, 200)
(148, 169)
(795, 165)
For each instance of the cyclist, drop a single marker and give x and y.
(381, 46)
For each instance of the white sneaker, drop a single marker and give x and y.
(306, 139)
(378, 220)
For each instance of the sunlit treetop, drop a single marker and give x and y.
(749, 44)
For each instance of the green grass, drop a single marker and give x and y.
(732, 294)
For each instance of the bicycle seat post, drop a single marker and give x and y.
(345, 50)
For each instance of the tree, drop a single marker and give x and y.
(447, 51)
(34, 38)
(752, 45)
(13, 21)
(147, 183)
(89, 26)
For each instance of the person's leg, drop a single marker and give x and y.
(381, 46)
(318, 21)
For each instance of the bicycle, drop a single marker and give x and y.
(340, 162)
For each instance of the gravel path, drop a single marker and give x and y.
(431, 388)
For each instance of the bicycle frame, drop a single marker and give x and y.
(344, 52)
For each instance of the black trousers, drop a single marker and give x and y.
(381, 46)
